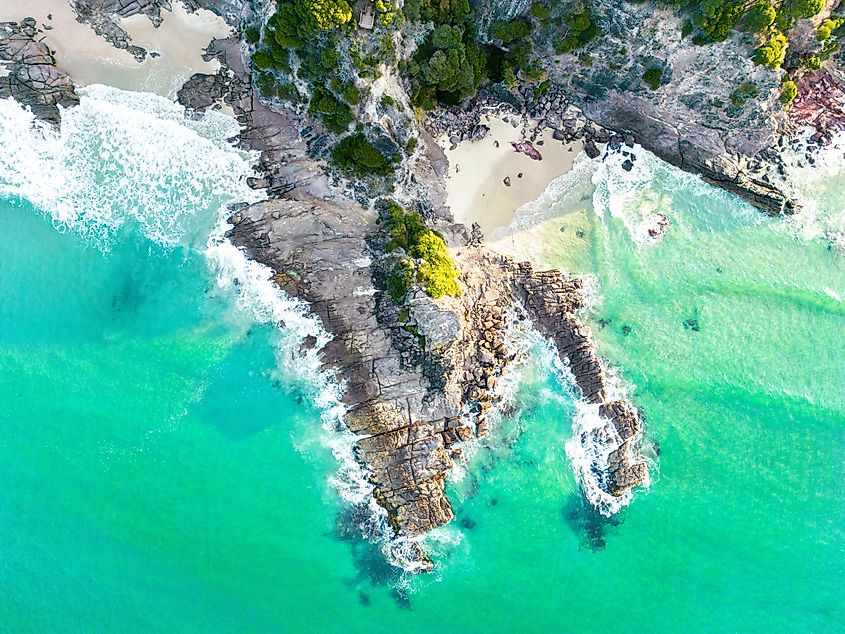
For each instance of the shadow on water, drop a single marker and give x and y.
(370, 564)
(591, 526)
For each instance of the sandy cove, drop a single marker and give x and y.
(475, 183)
(88, 58)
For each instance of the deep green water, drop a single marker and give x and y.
(163, 467)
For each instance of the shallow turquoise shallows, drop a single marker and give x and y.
(162, 467)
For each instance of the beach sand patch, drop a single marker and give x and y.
(89, 59)
(489, 180)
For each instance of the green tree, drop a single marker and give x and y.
(788, 92)
(760, 16)
(510, 31)
(773, 52)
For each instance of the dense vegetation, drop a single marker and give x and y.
(357, 156)
(310, 52)
(427, 263)
(449, 65)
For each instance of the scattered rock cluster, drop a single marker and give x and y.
(32, 76)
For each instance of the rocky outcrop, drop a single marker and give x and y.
(420, 378)
(693, 120)
(411, 420)
(32, 76)
(103, 17)
(693, 148)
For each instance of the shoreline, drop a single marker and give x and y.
(488, 180)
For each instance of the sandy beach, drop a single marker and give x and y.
(88, 58)
(475, 184)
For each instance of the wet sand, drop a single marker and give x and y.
(90, 59)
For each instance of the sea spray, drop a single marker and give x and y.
(107, 167)
(593, 438)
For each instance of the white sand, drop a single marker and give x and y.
(89, 59)
(474, 185)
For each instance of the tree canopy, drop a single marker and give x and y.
(773, 52)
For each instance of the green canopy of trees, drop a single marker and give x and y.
(773, 52)
(438, 11)
(760, 16)
(448, 68)
(356, 156)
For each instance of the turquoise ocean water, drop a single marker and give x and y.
(167, 457)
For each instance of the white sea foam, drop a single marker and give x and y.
(124, 158)
(594, 437)
(820, 186)
(644, 197)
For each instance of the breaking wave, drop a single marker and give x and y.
(124, 159)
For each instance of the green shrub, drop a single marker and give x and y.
(813, 63)
(351, 94)
(788, 92)
(653, 77)
(266, 58)
(269, 86)
(713, 20)
(541, 89)
(510, 31)
(540, 12)
(438, 11)
(354, 155)
(827, 27)
(252, 35)
(746, 91)
(435, 271)
(335, 114)
(791, 10)
(773, 52)
(581, 26)
(760, 16)
(399, 280)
